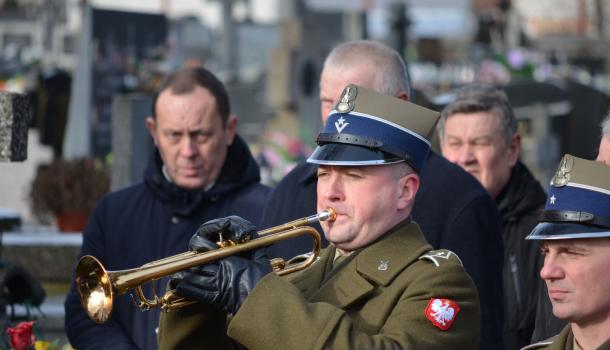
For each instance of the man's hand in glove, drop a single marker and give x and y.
(233, 228)
(224, 284)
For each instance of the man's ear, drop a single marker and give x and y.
(408, 186)
(514, 149)
(151, 125)
(231, 130)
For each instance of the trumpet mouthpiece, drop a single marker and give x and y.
(327, 215)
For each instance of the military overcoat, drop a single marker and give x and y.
(562, 341)
(397, 293)
(464, 219)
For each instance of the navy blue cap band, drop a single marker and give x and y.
(364, 142)
(578, 202)
(356, 129)
(581, 198)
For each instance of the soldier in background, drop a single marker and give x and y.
(575, 235)
(548, 325)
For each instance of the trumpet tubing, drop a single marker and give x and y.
(97, 286)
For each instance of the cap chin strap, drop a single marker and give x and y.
(364, 141)
(580, 217)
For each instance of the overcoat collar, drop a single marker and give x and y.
(239, 170)
(562, 341)
(375, 265)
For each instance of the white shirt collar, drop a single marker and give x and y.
(169, 179)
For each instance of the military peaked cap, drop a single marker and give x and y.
(367, 128)
(578, 202)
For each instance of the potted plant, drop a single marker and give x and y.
(68, 190)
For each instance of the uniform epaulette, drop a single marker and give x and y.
(538, 345)
(440, 256)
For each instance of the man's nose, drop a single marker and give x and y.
(466, 155)
(551, 270)
(333, 189)
(187, 147)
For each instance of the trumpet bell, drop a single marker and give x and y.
(94, 286)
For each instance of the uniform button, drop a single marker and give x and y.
(175, 219)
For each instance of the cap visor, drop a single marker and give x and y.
(549, 230)
(345, 154)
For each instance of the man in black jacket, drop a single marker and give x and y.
(202, 170)
(478, 131)
(451, 207)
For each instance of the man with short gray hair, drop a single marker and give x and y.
(380, 66)
(478, 131)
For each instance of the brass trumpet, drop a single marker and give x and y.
(96, 286)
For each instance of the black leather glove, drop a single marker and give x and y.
(232, 228)
(224, 284)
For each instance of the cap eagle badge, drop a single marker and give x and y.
(562, 176)
(346, 103)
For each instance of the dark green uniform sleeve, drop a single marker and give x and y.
(197, 326)
(277, 316)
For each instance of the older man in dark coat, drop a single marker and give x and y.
(201, 170)
(478, 131)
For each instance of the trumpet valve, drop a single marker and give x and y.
(225, 243)
(277, 264)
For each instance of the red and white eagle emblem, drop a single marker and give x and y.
(442, 312)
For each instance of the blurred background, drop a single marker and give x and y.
(89, 67)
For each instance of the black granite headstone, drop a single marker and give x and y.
(15, 116)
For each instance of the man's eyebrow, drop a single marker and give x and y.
(579, 247)
(200, 130)
(483, 137)
(567, 245)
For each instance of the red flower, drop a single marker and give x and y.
(21, 335)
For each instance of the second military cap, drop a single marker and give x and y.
(368, 128)
(578, 202)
